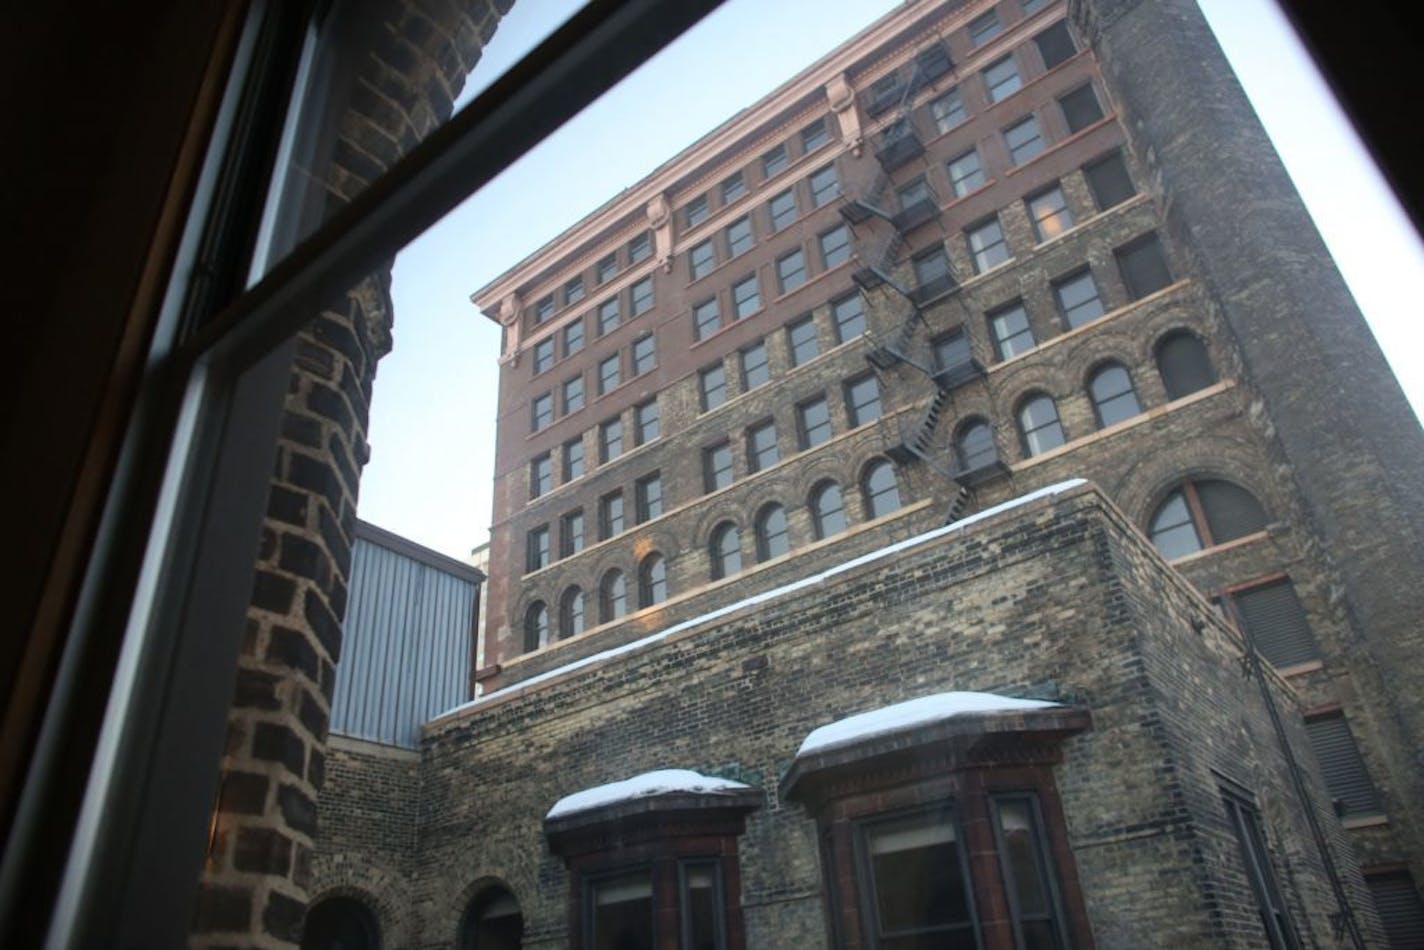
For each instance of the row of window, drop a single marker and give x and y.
(642, 358)
(607, 317)
(647, 426)
(612, 521)
(639, 249)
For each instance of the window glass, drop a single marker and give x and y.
(1256, 858)
(608, 316)
(1049, 213)
(984, 27)
(610, 515)
(573, 459)
(835, 246)
(762, 451)
(824, 185)
(951, 350)
(573, 291)
(813, 422)
(882, 490)
(702, 925)
(644, 355)
(571, 534)
(652, 581)
(746, 297)
(536, 551)
(701, 260)
(739, 236)
(726, 550)
(791, 270)
(706, 319)
(717, 466)
(1109, 181)
(605, 269)
(932, 268)
(849, 314)
(1011, 331)
(1077, 296)
(974, 448)
(1024, 139)
(773, 161)
(1038, 421)
(541, 475)
(1183, 362)
(543, 355)
(814, 135)
(987, 245)
(755, 370)
(1080, 108)
(827, 510)
(573, 394)
(773, 537)
(1203, 513)
(541, 410)
(641, 294)
(1001, 79)
(801, 335)
(613, 604)
(610, 440)
(571, 613)
(544, 309)
(931, 63)
(1113, 397)
(1144, 266)
(1024, 860)
(713, 385)
(1173, 530)
(965, 173)
(696, 211)
(640, 248)
(536, 627)
(645, 422)
(913, 193)
(1055, 44)
(649, 500)
(782, 209)
(573, 337)
(733, 187)
(863, 400)
(948, 110)
(608, 374)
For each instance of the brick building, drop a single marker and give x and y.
(978, 250)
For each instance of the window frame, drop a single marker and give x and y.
(855, 410)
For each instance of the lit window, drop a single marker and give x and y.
(835, 246)
(974, 446)
(755, 370)
(571, 534)
(1077, 297)
(696, 211)
(827, 510)
(733, 187)
(641, 295)
(644, 355)
(541, 475)
(1001, 79)
(1272, 617)
(1256, 859)
(813, 422)
(948, 110)
(773, 161)
(541, 411)
(645, 422)
(652, 580)
(782, 209)
(605, 269)
(1342, 766)
(536, 627)
(706, 319)
(762, 451)
(726, 550)
(1049, 213)
(1080, 108)
(573, 337)
(739, 237)
(1109, 181)
(536, 550)
(1184, 365)
(965, 173)
(648, 497)
(544, 309)
(1055, 44)
(1113, 397)
(880, 489)
(1144, 266)
(610, 440)
(985, 27)
(824, 185)
(717, 466)
(987, 245)
(802, 338)
(814, 135)
(573, 394)
(573, 291)
(543, 355)
(1024, 139)
(640, 248)
(712, 383)
(773, 538)
(1039, 425)
(1201, 514)
(571, 613)
(791, 270)
(746, 297)
(862, 397)
(608, 316)
(612, 598)
(573, 459)
(701, 260)
(610, 515)
(849, 315)
(609, 372)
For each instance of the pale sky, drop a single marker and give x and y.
(431, 472)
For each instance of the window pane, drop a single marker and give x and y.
(701, 260)
(1024, 139)
(650, 497)
(537, 553)
(610, 440)
(1113, 397)
(573, 394)
(814, 136)
(814, 420)
(571, 534)
(641, 295)
(1080, 108)
(746, 298)
(573, 337)
(987, 246)
(645, 422)
(703, 926)
(835, 247)
(773, 539)
(802, 336)
(1231, 511)
(726, 551)
(1002, 79)
(849, 313)
(544, 309)
(762, 451)
(543, 355)
(571, 613)
(610, 515)
(1022, 855)
(828, 510)
(644, 355)
(982, 28)
(606, 268)
(536, 627)
(573, 291)
(824, 186)
(1144, 266)
(1048, 210)
(965, 173)
(917, 878)
(608, 316)
(1346, 777)
(733, 188)
(773, 161)
(783, 209)
(706, 319)
(717, 466)
(791, 271)
(1055, 44)
(1184, 365)
(696, 211)
(613, 597)
(1276, 622)
(755, 371)
(739, 236)
(1172, 529)
(975, 447)
(1011, 331)
(541, 410)
(863, 400)
(640, 248)
(1042, 431)
(652, 581)
(948, 110)
(882, 491)
(608, 374)
(1109, 181)
(713, 381)
(573, 459)
(1078, 299)
(541, 475)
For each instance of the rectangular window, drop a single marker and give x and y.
(573, 291)
(645, 422)
(739, 237)
(814, 136)
(573, 337)
(913, 193)
(717, 466)
(1080, 108)
(791, 270)
(640, 248)
(761, 446)
(984, 28)
(648, 497)
(536, 549)
(1049, 213)
(1024, 140)
(746, 298)
(571, 534)
(884, 93)
(801, 336)
(1029, 6)
(755, 370)
(948, 111)
(610, 440)
(915, 873)
(1256, 859)
(541, 475)
(813, 422)
(573, 459)
(1011, 331)
(1055, 44)
(849, 314)
(951, 350)
(1272, 616)
(932, 273)
(644, 355)
(987, 245)
(605, 269)
(701, 260)
(1144, 266)
(609, 316)
(1027, 868)
(782, 209)
(733, 187)
(609, 374)
(641, 295)
(1342, 766)
(706, 319)
(931, 63)
(862, 397)
(544, 309)
(573, 394)
(543, 355)
(824, 185)
(965, 173)
(610, 515)
(773, 161)
(1001, 79)
(541, 411)
(696, 211)
(1109, 181)
(1077, 297)
(712, 383)
(835, 246)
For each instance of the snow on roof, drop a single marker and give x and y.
(647, 785)
(911, 714)
(777, 592)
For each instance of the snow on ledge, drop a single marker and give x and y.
(647, 785)
(911, 714)
(774, 594)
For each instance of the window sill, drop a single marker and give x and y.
(1364, 821)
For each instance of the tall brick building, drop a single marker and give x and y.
(980, 250)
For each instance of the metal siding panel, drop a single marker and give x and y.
(1400, 909)
(1340, 762)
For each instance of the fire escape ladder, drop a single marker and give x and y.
(896, 347)
(961, 500)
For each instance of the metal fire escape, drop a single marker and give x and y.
(881, 253)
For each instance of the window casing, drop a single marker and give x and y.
(813, 422)
(849, 317)
(1011, 331)
(543, 355)
(739, 237)
(648, 497)
(948, 111)
(646, 422)
(1114, 399)
(717, 471)
(835, 246)
(1001, 79)
(1077, 298)
(762, 451)
(880, 489)
(537, 554)
(712, 384)
(746, 297)
(782, 209)
(641, 296)
(573, 459)
(827, 510)
(862, 396)
(801, 337)
(644, 355)
(541, 475)
(824, 185)
(1024, 139)
(773, 537)
(1201, 514)
(965, 173)
(609, 316)
(610, 515)
(725, 550)
(610, 440)
(987, 245)
(706, 319)
(755, 369)
(609, 374)
(652, 580)
(571, 534)
(1048, 211)
(791, 270)
(1039, 426)
(773, 161)
(573, 394)
(701, 260)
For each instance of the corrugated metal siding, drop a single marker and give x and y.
(406, 653)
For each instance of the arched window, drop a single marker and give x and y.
(726, 550)
(492, 921)
(612, 596)
(772, 537)
(1202, 514)
(536, 626)
(571, 613)
(1039, 425)
(827, 510)
(974, 446)
(1183, 362)
(652, 580)
(341, 923)
(881, 491)
(1113, 396)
